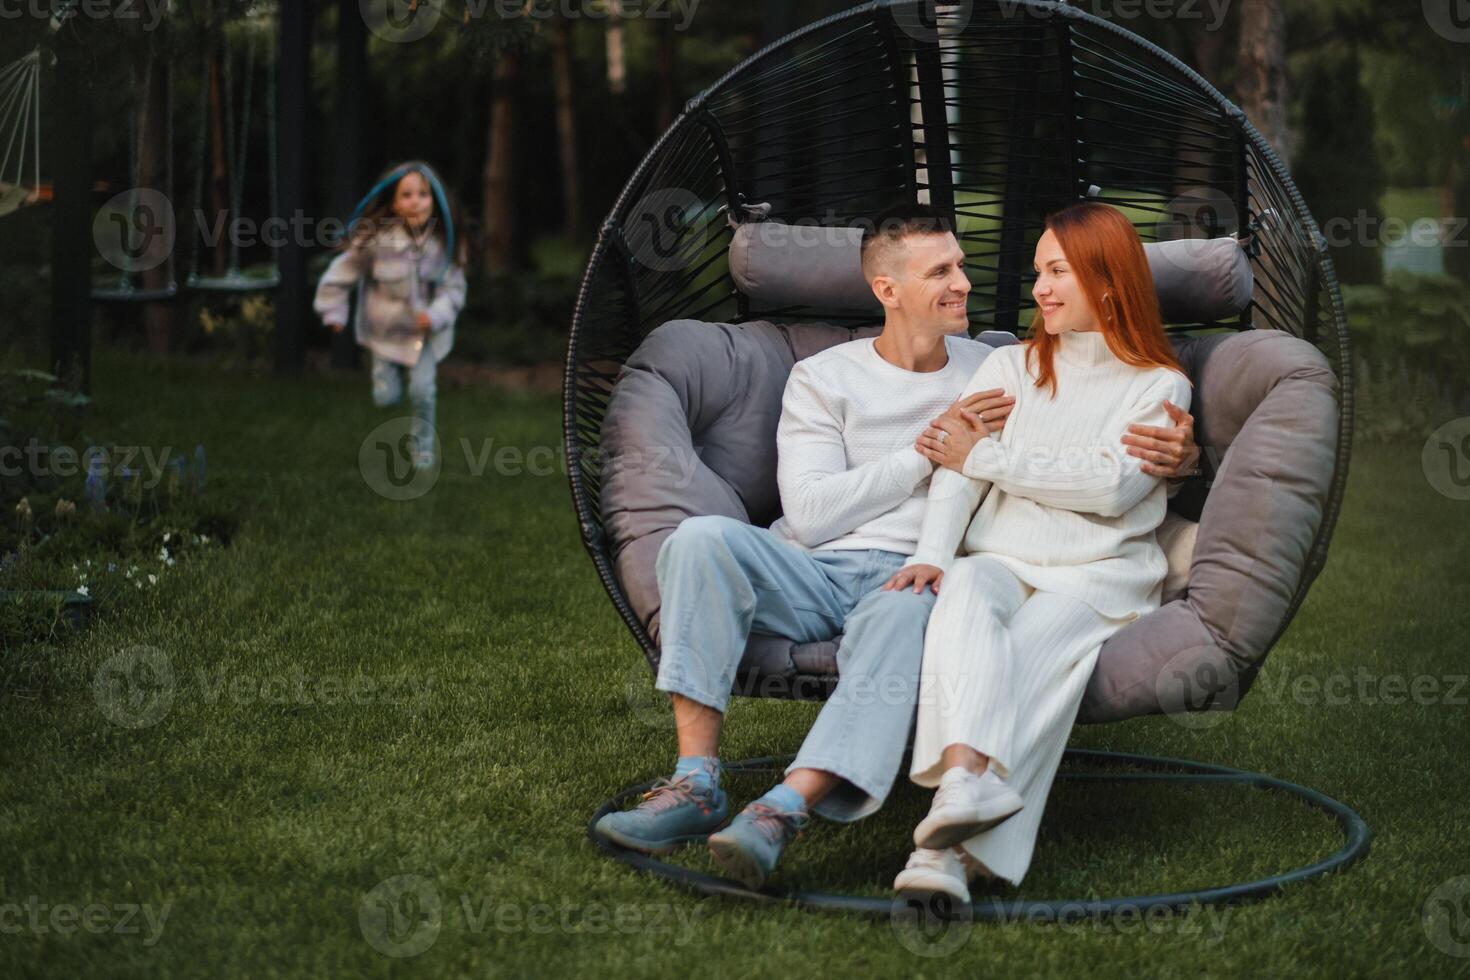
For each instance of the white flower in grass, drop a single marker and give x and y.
(163, 554)
(169, 563)
(152, 579)
(166, 536)
(82, 590)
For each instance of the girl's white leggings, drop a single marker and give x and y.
(1005, 667)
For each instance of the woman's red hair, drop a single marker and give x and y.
(1106, 256)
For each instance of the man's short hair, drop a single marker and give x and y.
(882, 240)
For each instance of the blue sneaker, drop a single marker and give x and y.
(675, 812)
(749, 848)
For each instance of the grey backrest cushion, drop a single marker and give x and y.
(691, 426)
(777, 266)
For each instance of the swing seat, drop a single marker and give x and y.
(129, 294)
(707, 397)
(12, 199)
(693, 311)
(235, 282)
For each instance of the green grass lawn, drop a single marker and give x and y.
(365, 689)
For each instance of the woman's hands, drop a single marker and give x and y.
(917, 576)
(949, 438)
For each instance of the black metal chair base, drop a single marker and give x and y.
(1356, 838)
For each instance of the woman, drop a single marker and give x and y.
(1058, 556)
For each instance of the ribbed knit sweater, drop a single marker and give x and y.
(1060, 502)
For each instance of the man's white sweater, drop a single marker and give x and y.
(847, 469)
(1064, 506)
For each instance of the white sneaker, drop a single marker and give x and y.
(931, 873)
(965, 805)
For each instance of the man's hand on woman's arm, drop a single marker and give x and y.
(1169, 451)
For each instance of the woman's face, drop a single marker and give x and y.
(412, 200)
(1057, 293)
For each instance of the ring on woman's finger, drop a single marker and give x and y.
(942, 436)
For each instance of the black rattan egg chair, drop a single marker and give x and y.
(996, 112)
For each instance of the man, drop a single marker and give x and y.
(853, 487)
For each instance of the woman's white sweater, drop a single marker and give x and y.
(1061, 503)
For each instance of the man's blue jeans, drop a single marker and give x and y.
(721, 580)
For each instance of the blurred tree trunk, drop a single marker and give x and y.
(154, 146)
(1262, 71)
(498, 216)
(219, 173)
(617, 69)
(667, 84)
(566, 129)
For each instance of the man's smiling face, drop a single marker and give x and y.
(929, 285)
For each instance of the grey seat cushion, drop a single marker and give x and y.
(691, 429)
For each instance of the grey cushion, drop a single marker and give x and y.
(777, 265)
(690, 429)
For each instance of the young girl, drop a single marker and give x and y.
(402, 259)
(1060, 554)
